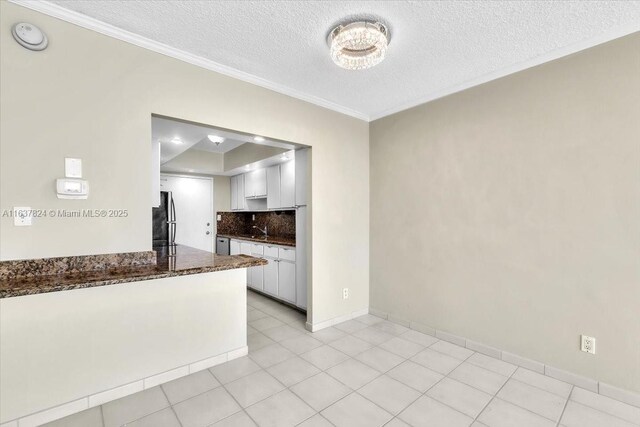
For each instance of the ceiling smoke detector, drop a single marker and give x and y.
(358, 45)
(29, 36)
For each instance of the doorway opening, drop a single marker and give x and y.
(230, 192)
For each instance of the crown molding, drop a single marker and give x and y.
(93, 24)
(538, 60)
(109, 30)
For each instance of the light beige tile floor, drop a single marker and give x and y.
(365, 372)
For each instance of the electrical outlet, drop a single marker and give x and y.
(345, 293)
(588, 344)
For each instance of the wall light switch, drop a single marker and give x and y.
(72, 167)
(219, 217)
(22, 216)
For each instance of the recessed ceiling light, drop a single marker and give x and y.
(358, 45)
(215, 139)
(258, 139)
(176, 140)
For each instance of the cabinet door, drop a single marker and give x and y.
(288, 184)
(287, 281)
(257, 277)
(234, 193)
(270, 275)
(245, 248)
(234, 247)
(260, 183)
(242, 202)
(248, 184)
(273, 187)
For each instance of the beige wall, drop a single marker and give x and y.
(221, 193)
(221, 197)
(510, 213)
(91, 96)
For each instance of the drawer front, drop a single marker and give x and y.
(271, 251)
(257, 249)
(288, 254)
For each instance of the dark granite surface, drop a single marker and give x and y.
(274, 240)
(74, 264)
(278, 223)
(186, 261)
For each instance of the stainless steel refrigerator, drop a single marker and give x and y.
(164, 221)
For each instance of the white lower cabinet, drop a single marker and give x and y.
(245, 249)
(234, 247)
(287, 281)
(278, 277)
(257, 277)
(271, 277)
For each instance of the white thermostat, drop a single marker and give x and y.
(72, 188)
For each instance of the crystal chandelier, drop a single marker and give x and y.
(358, 45)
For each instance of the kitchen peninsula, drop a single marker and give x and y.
(149, 318)
(29, 277)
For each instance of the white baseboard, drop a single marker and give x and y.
(105, 396)
(315, 327)
(626, 396)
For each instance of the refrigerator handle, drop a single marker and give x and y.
(172, 220)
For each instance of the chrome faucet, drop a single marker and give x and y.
(261, 230)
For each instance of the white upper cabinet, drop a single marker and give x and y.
(273, 187)
(234, 193)
(238, 202)
(276, 183)
(255, 183)
(288, 184)
(242, 203)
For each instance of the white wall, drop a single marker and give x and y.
(62, 346)
(510, 213)
(91, 96)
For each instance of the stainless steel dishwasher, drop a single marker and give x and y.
(222, 245)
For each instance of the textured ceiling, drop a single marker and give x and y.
(436, 47)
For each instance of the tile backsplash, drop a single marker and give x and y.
(278, 223)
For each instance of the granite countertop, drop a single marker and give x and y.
(274, 240)
(186, 261)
